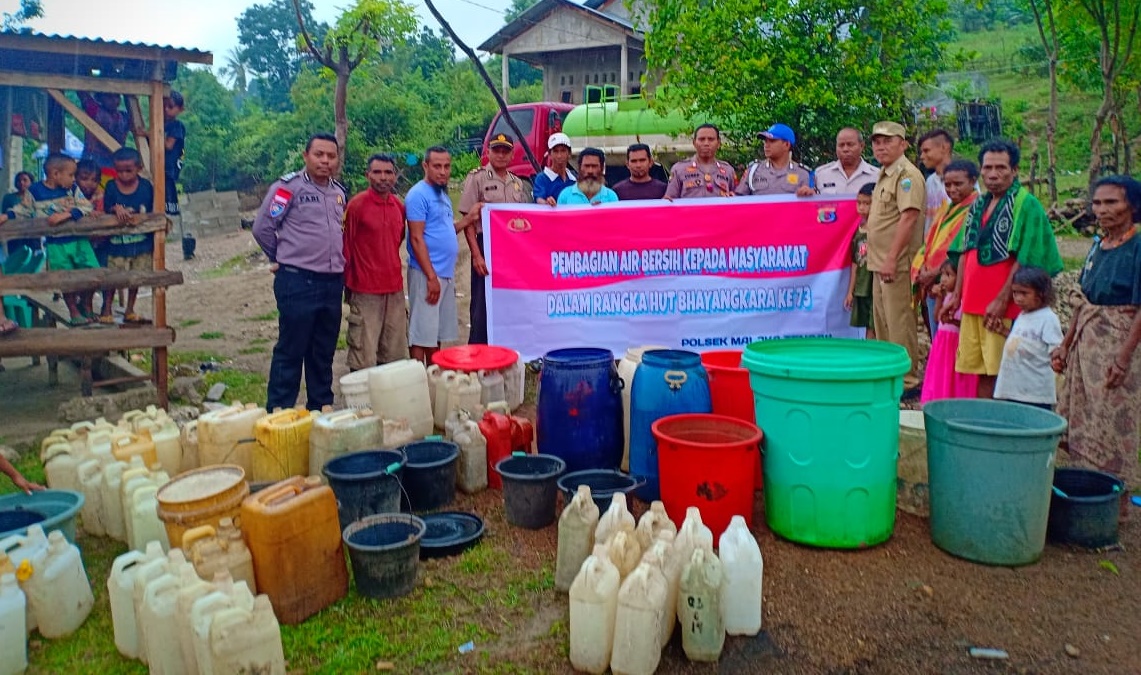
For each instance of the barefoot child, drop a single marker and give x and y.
(859, 300)
(941, 380)
(127, 196)
(58, 199)
(1024, 374)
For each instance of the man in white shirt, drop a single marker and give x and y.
(849, 172)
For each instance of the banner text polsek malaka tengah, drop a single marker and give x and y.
(696, 274)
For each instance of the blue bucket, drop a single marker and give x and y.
(579, 417)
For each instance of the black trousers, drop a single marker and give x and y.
(309, 322)
(478, 308)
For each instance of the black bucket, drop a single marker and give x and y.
(1086, 512)
(384, 550)
(429, 476)
(365, 483)
(530, 488)
(603, 484)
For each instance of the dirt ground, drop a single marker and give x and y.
(902, 607)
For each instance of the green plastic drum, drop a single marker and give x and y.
(829, 410)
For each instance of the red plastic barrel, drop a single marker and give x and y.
(729, 388)
(707, 461)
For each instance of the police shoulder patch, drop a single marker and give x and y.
(289, 176)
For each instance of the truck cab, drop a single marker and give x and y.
(537, 121)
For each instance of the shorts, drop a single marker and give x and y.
(171, 196)
(980, 350)
(429, 325)
(71, 255)
(144, 262)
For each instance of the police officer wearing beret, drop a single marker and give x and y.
(491, 184)
(703, 175)
(777, 174)
(299, 228)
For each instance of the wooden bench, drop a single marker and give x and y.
(51, 340)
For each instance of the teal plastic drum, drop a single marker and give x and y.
(829, 410)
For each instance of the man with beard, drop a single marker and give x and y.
(640, 185)
(432, 253)
(491, 184)
(299, 228)
(850, 171)
(590, 188)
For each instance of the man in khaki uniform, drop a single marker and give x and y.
(777, 174)
(491, 184)
(895, 233)
(703, 175)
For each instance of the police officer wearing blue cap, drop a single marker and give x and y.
(777, 174)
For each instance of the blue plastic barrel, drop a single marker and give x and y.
(667, 382)
(579, 416)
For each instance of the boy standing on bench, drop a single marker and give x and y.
(59, 200)
(126, 197)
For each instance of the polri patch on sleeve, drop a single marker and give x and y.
(280, 201)
(905, 185)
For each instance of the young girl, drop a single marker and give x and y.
(1025, 375)
(859, 299)
(941, 380)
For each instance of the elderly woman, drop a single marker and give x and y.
(1101, 396)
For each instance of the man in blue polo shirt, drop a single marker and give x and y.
(432, 252)
(590, 187)
(551, 181)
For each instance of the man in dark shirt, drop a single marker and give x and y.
(174, 131)
(640, 185)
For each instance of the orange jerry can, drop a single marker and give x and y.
(522, 435)
(292, 531)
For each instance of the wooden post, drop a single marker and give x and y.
(158, 170)
(141, 142)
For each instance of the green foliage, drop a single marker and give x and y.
(816, 66)
(268, 34)
(517, 8)
(29, 9)
(362, 30)
(519, 73)
(975, 15)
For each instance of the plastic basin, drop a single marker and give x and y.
(52, 509)
(707, 461)
(429, 476)
(990, 466)
(830, 411)
(384, 550)
(1084, 508)
(365, 483)
(603, 485)
(530, 489)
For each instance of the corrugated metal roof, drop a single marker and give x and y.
(82, 45)
(536, 13)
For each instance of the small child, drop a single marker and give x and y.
(58, 199)
(104, 108)
(859, 300)
(1025, 375)
(942, 380)
(128, 195)
(89, 177)
(175, 134)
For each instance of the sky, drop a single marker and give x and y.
(211, 25)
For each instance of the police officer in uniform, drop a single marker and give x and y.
(703, 175)
(491, 184)
(299, 228)
(777, 174)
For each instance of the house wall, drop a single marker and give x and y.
(567, 73)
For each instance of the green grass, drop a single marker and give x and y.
(227, 267)
(258, 349)
(241, 385)
(1072, 264)
(271, 315)
(260, 341)
(189, 322)
(212, 335)
(342, 341)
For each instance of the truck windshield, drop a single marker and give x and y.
(524, 119)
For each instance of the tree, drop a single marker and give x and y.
(817, 66)
(517, 8)
(1043, 11)
(235, 70)
(268, 35)
(209, 118)
(367, 27)
(29, 9)
(1114, 23)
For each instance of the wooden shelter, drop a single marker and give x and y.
(32, 63)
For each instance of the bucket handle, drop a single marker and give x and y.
(675, 378)
(617, 384)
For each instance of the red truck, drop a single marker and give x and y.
(537, 121)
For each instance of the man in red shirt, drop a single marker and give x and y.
(374, 286)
